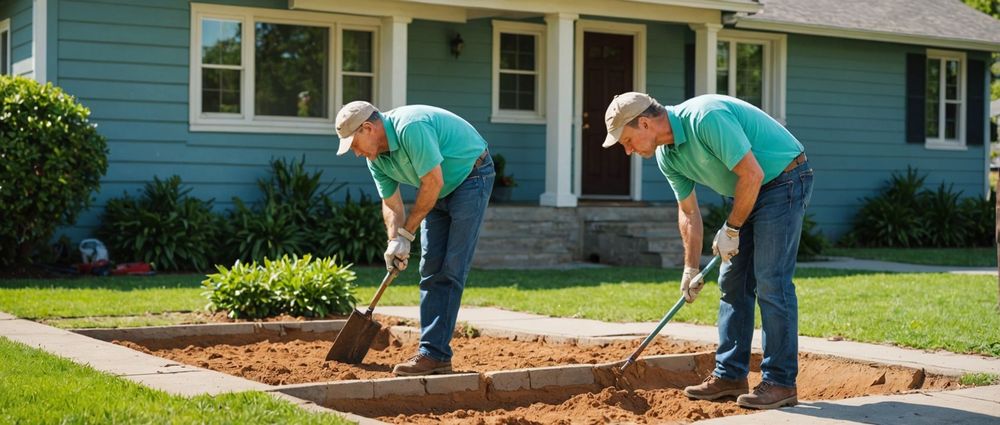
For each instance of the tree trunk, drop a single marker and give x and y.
(997, 230)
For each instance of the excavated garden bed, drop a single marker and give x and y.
(508, 378)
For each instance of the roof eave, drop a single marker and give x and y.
(831, 31)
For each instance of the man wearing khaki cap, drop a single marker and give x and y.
(447, 160)
(738, 151)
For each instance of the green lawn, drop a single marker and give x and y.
(963, 257)
(37, 387)
(927, 311)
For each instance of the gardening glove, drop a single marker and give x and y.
(691, 289)
(726, 243)
(398, 251)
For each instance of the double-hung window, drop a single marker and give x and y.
(751, 66)
(945, 102)
(518, 72)
(277, 71)
(5, 47)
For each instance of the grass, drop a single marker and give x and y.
(36, 387)
(962, 257)
(927, 311)
(979, 379)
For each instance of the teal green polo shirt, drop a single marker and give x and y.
(420, 138)
(712, 133)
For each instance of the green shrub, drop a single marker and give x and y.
(164, 227)
(52, 160)
(266, 231)
(905, 214)
(353, 231)
(891, 219)
(288, 219)
(295, 286)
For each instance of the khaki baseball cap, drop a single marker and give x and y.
(349, 119)
(623, 109)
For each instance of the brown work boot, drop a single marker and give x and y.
(769, 396)
(421, 365)
(715, 387)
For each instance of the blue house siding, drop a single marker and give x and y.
(846, 103)
(19, 13)
(464, 85)
(128, 63)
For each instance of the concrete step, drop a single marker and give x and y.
(521, 260)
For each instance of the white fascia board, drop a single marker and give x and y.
(628, 9)
(888, 37)
(727, 5)
(39, 39)
(440, 12)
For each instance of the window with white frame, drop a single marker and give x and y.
(945, 104)
(518, 72)
(5, 47)
(277, 71)
(751, 66)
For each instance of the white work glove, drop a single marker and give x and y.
(726, 243)
(690, 289)
(397, 254)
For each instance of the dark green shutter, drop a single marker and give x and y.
(976, 95)
(916, 89)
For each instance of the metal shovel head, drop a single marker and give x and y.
(354, 339)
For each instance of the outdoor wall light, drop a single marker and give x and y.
(457, 44)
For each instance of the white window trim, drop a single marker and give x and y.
(775, 67)
(5, 27)
(940, 143)
(511, 116)
(246, 121)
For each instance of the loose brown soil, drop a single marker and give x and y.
(656, 397)
(300, 357)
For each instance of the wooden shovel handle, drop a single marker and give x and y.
(385, 284)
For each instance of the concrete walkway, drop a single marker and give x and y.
(846, 263)
(969, 406)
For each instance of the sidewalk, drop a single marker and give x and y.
(968, 406)
(847, 263)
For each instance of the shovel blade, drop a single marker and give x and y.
(354, 339)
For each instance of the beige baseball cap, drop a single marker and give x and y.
(623, 109)
(349, 119)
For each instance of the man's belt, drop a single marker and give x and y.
(481, 159)
(796, 162)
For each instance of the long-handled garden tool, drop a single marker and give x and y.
(619, 373)
(356, 337)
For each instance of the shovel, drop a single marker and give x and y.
(356, 337)
(663, 322)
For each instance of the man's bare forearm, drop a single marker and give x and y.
(393, 213)
(427, 196)
(692, 233)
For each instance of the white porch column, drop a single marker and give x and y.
(392, 74)
(706, 41)
(559, 111)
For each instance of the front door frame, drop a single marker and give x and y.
(638, 33)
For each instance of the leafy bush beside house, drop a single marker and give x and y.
(52, 160)
(904, 214)
(164, 227)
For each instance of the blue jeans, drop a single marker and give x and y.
(449, 235)
(762, 272)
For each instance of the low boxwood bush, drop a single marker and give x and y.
(290, 285)
(164, 227)
(51, 161)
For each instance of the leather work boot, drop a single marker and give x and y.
(715, 387)
(769, 396)
(421, 365)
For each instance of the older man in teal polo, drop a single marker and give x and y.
(446, 159)
(739, 151)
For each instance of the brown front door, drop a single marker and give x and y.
(607, 71)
